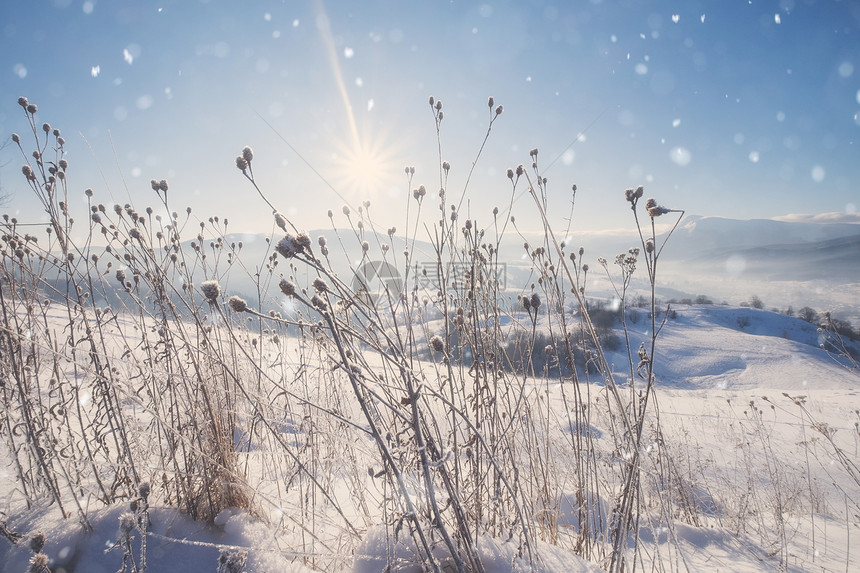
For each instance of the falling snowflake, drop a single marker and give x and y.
(680, 155)
(126, 55)
(95, 71)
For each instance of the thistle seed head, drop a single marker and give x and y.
(287, 287)
(320, 285)
(37, 542)
(247, 154)
(437, 344)
(237, 304)
(211, 290)
(39, 563)
(319, 303)
(126, 523)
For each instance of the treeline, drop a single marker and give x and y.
(820, 319)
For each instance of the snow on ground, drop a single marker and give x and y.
(734, 348)
(750, 453)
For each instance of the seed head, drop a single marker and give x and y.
(319, 303)
(499, 109)
(320, 285)
(126, 523)
(287, 287)
(437, 344)
(535, 300)
(63, 164)
(237, 304)
(247, 154)
(345, 210)
(654, 209)
(491, 102)
(39, 563)
(211, 290)
(162, 185)
(281, 221)
(154, 184)
(241, 163)
(32, 109)
(446, 166)
(289, 246)
(649, 246)
(46, 127)
(37, 542)
(143, 490)
(16, 138)
(22, 101)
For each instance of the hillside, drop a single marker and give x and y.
(713, 362)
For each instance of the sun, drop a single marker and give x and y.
(366, 168)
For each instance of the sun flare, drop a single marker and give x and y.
(365, 170)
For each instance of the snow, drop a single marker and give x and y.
(739, 392)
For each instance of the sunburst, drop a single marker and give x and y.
(366, 168)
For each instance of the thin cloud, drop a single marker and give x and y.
(834, 217)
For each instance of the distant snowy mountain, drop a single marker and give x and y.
(784, 263)
(717, 233)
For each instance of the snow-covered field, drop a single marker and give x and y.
(759, 422)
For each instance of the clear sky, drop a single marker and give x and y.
(736, 108)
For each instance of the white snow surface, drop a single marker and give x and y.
(711, 372)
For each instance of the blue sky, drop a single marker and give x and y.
(726, 108)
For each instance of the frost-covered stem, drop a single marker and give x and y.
(592, 331)
(380, 442)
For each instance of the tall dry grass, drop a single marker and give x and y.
(443, 414)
